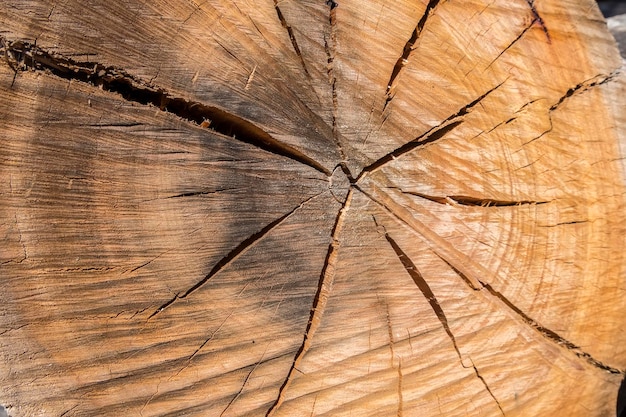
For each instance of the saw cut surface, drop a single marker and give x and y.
(288, 208)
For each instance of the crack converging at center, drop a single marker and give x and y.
(24, 56)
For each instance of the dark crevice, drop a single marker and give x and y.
(148, 262)
(464, 277)
(292, 37)
(506, 122)
(545, 332)
(329, 48)
(121, 124)
(347, 172)
(479, 376)
(232, 400)
(408, 47)
(88, 269)
(69, 410)
(474, 201)
(200, 193)
(436, 243)
(542, 134)
(232, 255)
(484, 202)
(553, 336)
(325, 282)
(538, 19)
(577, 89)
(423, 286)
(332, 4)
(565, 223)
(432, 135)
(468, 107)
(23, 56)
(522, 33)
(584, 86)
(476, 284)
(203, 344)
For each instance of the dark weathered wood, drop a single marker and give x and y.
(288, 208)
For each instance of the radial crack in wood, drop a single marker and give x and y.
(23, 56)
(514, 41)
(580, 88)
(470, 269)
(476, 284)
(553, 336)
(319, 303)
(408, 48)
(539, 19)
(239, 250)
(334, 203)
(292, 36)
(472, 201)
(432, 135)
(423, 286)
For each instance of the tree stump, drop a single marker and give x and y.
(282, 208)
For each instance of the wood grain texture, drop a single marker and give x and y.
(284, 208)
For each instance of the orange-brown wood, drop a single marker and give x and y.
(285, 208)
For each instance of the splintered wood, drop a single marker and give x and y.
(319, 208)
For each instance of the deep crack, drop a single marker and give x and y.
(552, 335)
(584, 86)
(474, 201)
(408, 48)
(520, 36)
(235, 253)
(539, 19)
(423, 286)
(325, 284)
(579, 88)
(427, 292)
(292, 36)
(329, 48)
(432, 135)
(474, 277)
(23, 56)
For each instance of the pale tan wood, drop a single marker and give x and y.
(287, 208)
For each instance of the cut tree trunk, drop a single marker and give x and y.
(351, 208)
